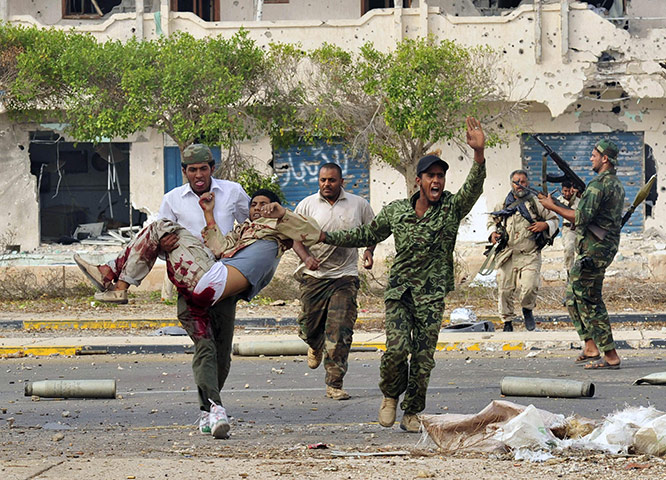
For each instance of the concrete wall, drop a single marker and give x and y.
(552, 61)
(19, 215)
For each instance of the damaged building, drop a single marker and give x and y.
(582, 69)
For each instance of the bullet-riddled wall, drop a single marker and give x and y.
(574, 70)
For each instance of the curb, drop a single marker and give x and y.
(187, 348)
(259, 322)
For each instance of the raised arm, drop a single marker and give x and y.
(212, 236)
(472, 189)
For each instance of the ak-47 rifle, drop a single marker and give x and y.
(568, 174)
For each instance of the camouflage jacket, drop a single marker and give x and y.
(424, 246)
(290, 227)
(601, 204)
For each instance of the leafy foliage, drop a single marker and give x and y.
(397, 105)
(251, 181)
(191, 89)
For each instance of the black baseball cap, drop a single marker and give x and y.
(426, 162)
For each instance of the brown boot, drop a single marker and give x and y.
(410, 423)
(336, 393)
(387, 412)
(314, 357)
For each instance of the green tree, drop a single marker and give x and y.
(396, 106)
(205, 90)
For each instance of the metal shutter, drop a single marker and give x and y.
(575, 149)
(297, 168)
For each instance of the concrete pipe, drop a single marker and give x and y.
(271, 348)
(545, 387)
(72, 389)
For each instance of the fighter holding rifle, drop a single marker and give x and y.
(598, 221)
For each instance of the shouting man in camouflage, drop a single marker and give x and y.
(598, 220)
(424, 227)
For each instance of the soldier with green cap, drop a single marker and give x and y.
(598, 221)
(212, 354)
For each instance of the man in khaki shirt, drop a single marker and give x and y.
(570, 199)
(329, 278)
(519, 263)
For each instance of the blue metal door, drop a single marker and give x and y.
(297, 168)
(173, 173)
(576, 148)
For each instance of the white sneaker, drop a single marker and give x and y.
(218, 421)
(204, 422)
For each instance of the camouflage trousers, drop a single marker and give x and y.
(586, 307)
(411, 329)
(327, 321)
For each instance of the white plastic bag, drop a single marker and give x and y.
(617, 432)
(527, 430)
(462, 315)
(651, 438)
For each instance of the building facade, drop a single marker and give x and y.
(582, 70)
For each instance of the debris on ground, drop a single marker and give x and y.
(537, 435)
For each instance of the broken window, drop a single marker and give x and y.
(368, 5)
(80, 183)
(208, 10)
(88, 8)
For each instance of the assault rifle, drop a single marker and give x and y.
(569, 174)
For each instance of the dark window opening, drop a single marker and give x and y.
(650, 169)
(88, 8)
(80, 183)
(368, 5)
(208, 10)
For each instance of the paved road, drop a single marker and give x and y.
(157, 390)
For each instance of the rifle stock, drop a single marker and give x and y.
(569, 174)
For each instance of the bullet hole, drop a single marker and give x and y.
(616, 109)
(21, 147)
(520, 50)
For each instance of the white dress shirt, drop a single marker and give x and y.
(181, 205)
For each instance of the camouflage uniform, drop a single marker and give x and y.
(569, 234)
(601, 204)
(420, 278)
(519, 263)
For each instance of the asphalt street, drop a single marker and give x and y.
(282, 393)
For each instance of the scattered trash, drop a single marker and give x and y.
(171, 331)
(317, 446)
(651, 438)
(462, 315)
(72, 389)
(485, 326)
(658, 378)
(545, 387)
(527, 430)
(278, 303)
(337, 453)
(58, 437)
(56, 426)
(536, 435)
